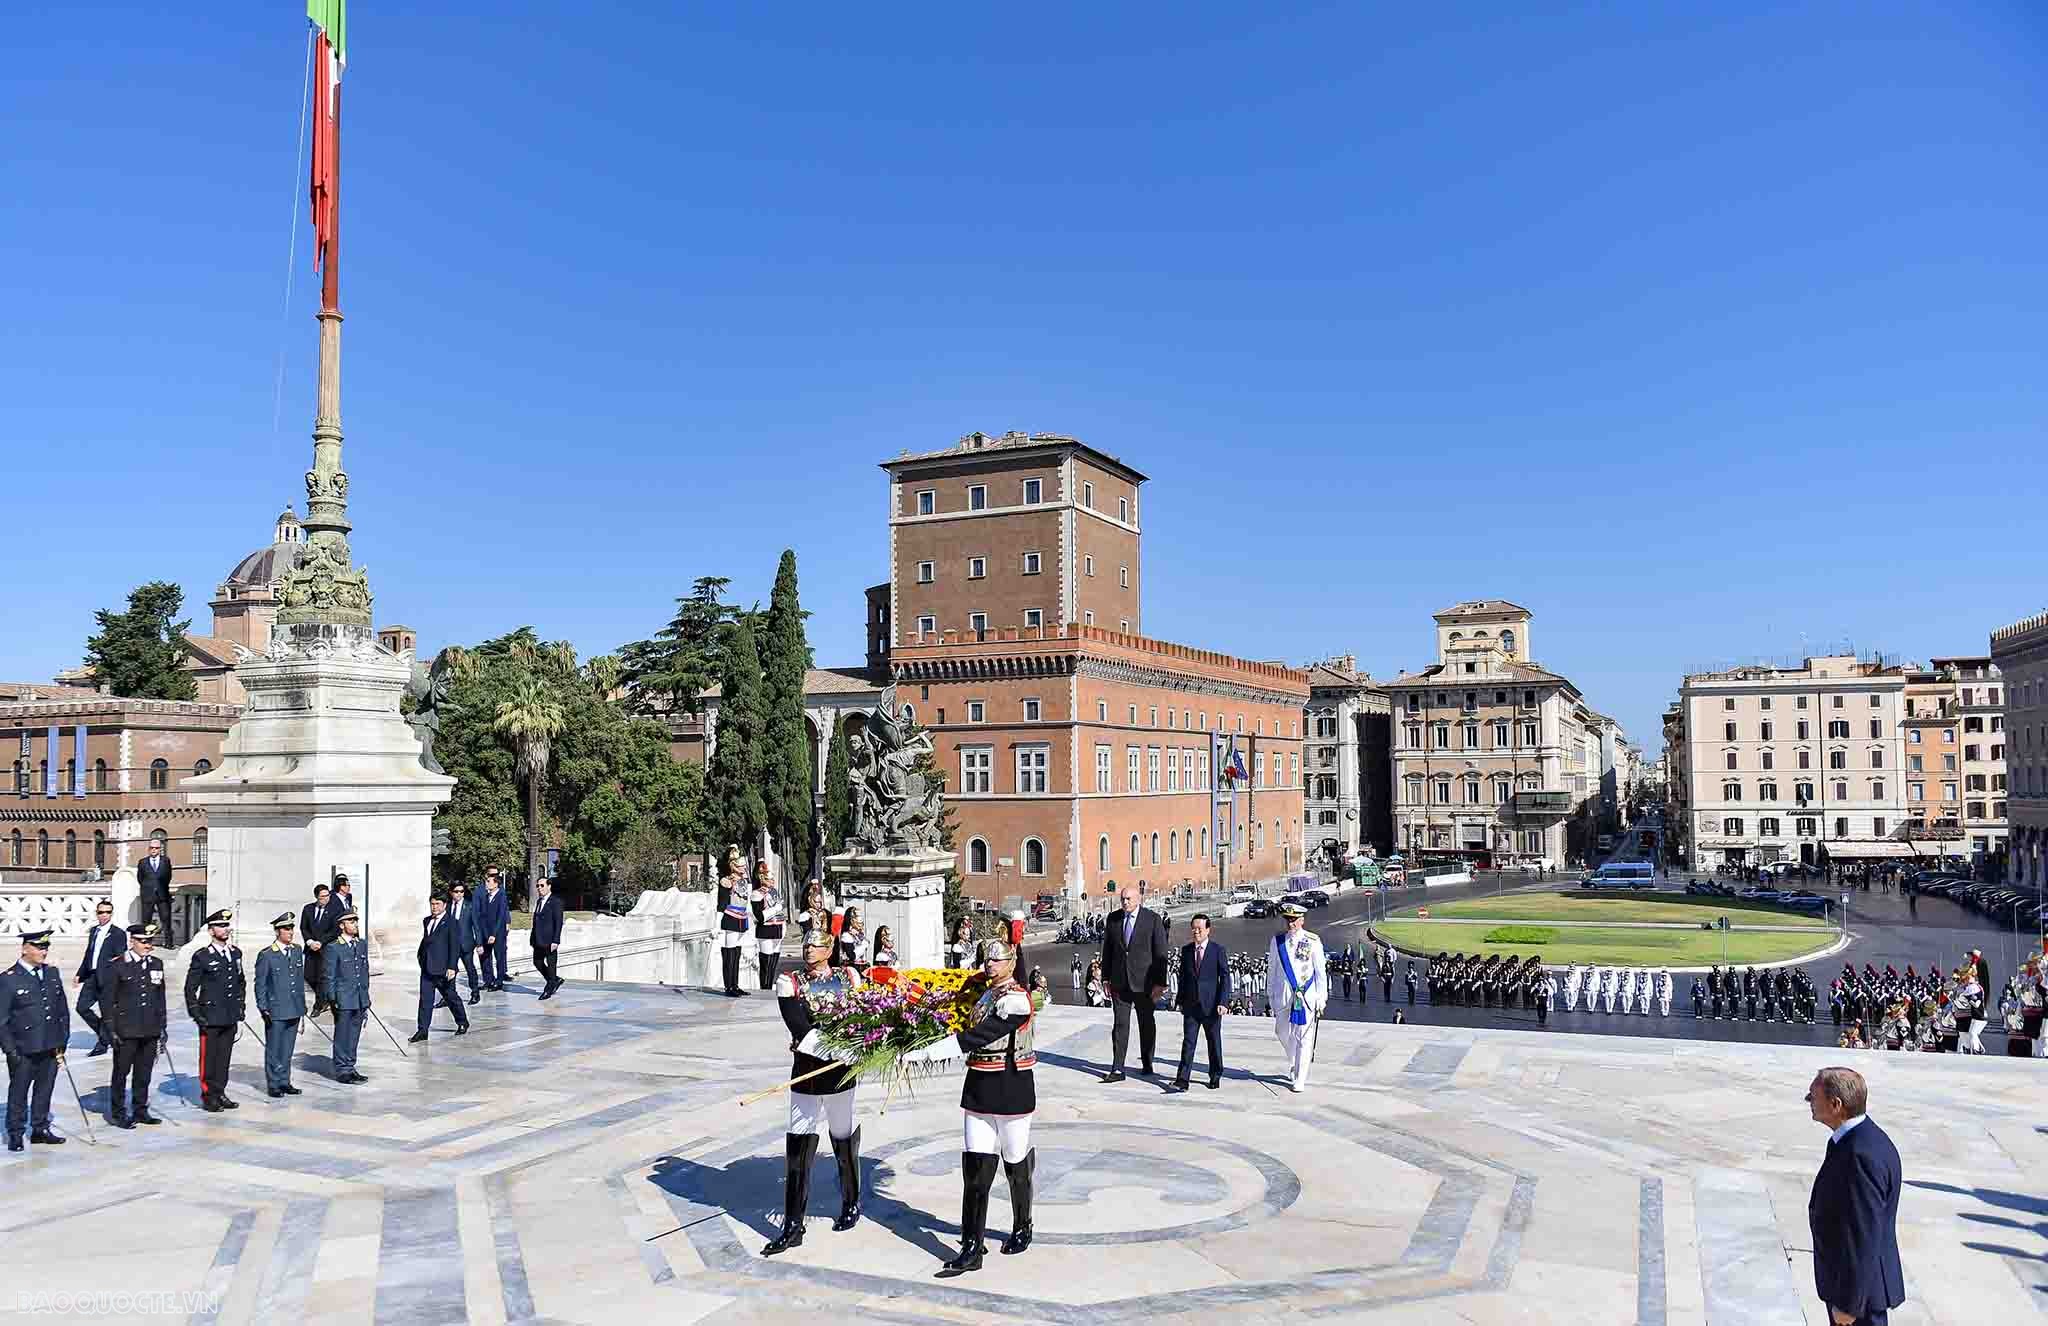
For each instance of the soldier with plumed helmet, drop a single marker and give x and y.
(820, 1092)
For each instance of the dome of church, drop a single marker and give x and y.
(266, 566)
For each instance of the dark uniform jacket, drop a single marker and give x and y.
(1001, 1083)
(793, 990)
(281, 982)
(132, 997)
(439, 953)
(34, 1015)
(735, 907)
(345, 975)
(216, 989)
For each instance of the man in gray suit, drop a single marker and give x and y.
(345, 982)
(281, 998)
(1134, 963)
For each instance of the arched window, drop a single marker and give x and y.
(42, 847)
(1205, 843)
(1136, 848)
(1155, 849)
(161, 839)
(1102, 852)
(909, 714)
(14, 848)
(99, 849)
(1457, 636)
(198, 847)
(71, 849)
(977, 857)
(159, 775)
(70, 776)
(201, 766)
(1479, 635)
(21, 778)
(1188, 846)
(1172, 847)
(1034, 857)
(99, 776)
(1507, 641)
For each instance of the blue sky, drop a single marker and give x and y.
(1696, 330)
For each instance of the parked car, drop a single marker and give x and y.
(1759, 893)
(1803, 901)
(1243, 893)
(1294, 898)
(1315, 898)
(1259, 907)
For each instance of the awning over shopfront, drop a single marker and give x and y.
(1841, 851)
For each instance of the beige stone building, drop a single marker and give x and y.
(1346, 729)
(2020, 653)
(1496, 759)
(1798, 764)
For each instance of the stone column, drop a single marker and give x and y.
(905, 893)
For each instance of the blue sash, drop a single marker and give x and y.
(1298, 1014)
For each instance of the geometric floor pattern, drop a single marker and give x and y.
(587, 1160)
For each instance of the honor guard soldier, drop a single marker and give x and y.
(216, 995)
(35, 1021)
(132, 996)
(997, 1100)
(819, 1092)
(1296, 991)
(345, 981)
(1408, 975)
(281, 998)
(734, 915)
(768, 920)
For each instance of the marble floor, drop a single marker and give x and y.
(587, 1160)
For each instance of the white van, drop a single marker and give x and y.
(1622, 875)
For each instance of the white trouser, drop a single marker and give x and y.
(1664, 1004)
(771, 946)
(1971, 1037)
(1299, 1042)
(834, 1111)
(1006, 1135)
(732, 939)
(1610, 1000)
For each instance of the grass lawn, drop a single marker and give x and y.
(1611, 946)
(1680, 908)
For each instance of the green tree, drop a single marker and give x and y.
(529, 720)
(786, 772)
(669, 673)
(139, 654)
(838, 792)
(734, 809)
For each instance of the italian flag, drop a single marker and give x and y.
(330, 55)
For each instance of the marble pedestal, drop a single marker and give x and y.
(906, 893)
(321, 773)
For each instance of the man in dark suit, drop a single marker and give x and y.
(1854, 1211)
(1134, 963)
(153, 880)
(34, 1024)
(547, 936)
(1204, 987)
(316, 927)
(463, 913)
(438, 940)
(104, 943)
(493, 924)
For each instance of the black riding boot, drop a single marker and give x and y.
(977, 1176)
(729, 966)
(801, 1149)
(846, 1150)
(1020, 1175)
(769, 962)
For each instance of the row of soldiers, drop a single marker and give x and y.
(1492, 981)
(1632, 987)
(1776, 994)
(130, 990)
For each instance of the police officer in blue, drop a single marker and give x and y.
(35, 1021)
(216, 998)
(132, 996)
(345, 983)
(281, 998)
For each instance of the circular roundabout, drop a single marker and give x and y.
(1678, 931)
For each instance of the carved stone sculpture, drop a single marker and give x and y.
(895, 807)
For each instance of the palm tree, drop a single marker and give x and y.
(604, 673)
(531, 720)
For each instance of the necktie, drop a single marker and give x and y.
(1130, 924)
(1199, 950)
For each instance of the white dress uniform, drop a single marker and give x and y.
(1664, 994)
(1302, 953)
(1608, 984)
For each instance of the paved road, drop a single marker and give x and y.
(1884, 928)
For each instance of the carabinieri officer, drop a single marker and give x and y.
(281, 997)
(35, 1022)
(998, 1099)
(216, 992)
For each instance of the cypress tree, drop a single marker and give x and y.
(838, 792)
(734, 808)
(786, 772)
